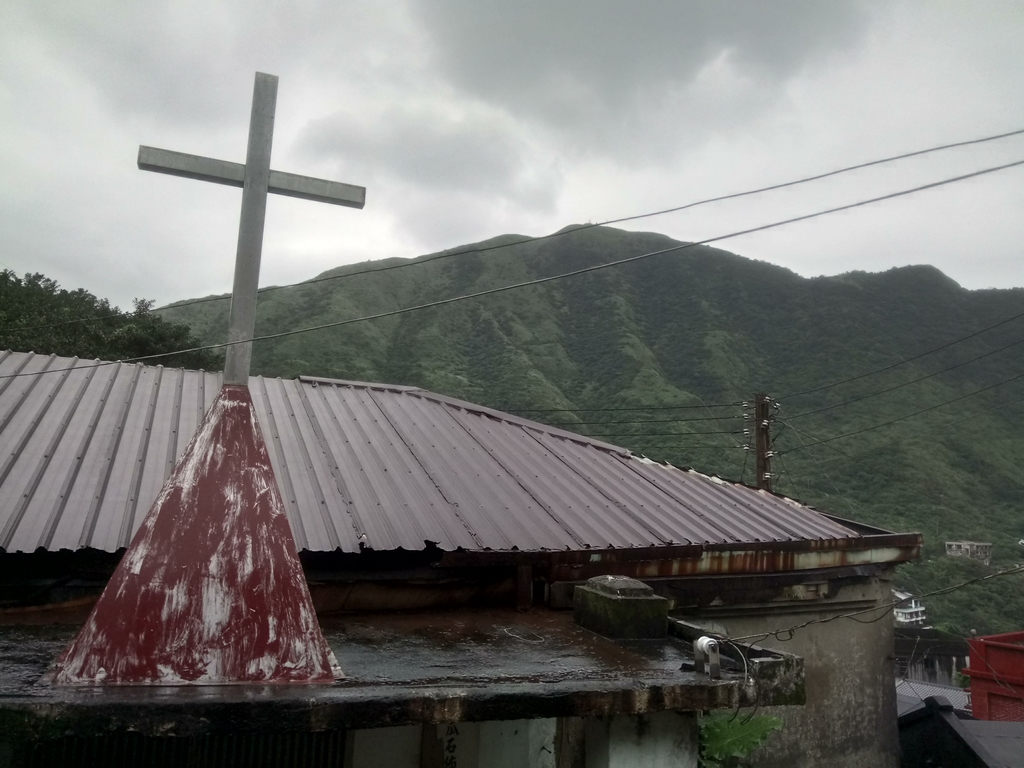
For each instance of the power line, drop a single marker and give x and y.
(877, 470)
(663, 434)
(909, 415)
(527, 240)
(919, 433)
(800, 436)
(573, 273)
(789, 476)
(674, 209)
(832, 482)
(119, 315)
(641, 421)
(907, 383)
(634, 408)
(787, 634)
(904, 362)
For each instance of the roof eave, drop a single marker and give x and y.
(761, 557)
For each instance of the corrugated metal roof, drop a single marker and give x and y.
(915, 691)
(86, 451)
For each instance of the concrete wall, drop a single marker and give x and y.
(849, 720)
(658, 740)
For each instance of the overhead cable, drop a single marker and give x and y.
(932, 351)
(526, 240)
(663, 434)
(906, 383)
(573, 273)
(784, 635)
(886, 443)
(909, 415)
(632, 408)
(639, 421)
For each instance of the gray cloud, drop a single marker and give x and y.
(595, 68)
(430, 146)
(466, 120)
(180, 62)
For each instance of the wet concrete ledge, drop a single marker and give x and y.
(402, 669)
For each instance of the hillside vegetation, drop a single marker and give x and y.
(37, 315)
(704, 326)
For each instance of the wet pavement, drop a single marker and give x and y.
(489, 647)
(400, 668)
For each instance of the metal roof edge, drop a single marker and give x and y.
(352, 383)
(86, 362)
(528, 423)
(855, 527)
(881, 548)
(859, 527)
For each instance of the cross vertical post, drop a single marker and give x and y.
(242, 317)
(256, 178)
(213, 519)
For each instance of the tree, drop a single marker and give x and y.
(37, 315)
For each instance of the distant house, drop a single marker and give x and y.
(976, 550)
(909, 610)
(403, 500)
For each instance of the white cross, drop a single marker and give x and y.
(256, 180)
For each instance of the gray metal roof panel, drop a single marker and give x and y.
(560, 512)
(84, 454)
(634, 495)
(353, 434)
(492, 507)
(960, 698)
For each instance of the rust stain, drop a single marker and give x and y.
(703, 560)
(210, 589)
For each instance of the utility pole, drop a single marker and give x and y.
(763, 440)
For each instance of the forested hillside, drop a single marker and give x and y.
(634, 353)
(37, 315)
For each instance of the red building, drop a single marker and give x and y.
(997, 676)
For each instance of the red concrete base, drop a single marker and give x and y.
(211, 590)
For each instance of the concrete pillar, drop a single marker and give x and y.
(397, 747)
(849, 720)
(658, 740)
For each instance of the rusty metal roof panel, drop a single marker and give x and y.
(86, 451)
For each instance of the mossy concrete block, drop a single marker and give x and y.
(621, 608)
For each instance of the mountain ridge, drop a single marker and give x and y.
(703, 325)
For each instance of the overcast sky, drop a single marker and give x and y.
(473, 118)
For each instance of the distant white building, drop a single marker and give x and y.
(976, 550)
(909, 610)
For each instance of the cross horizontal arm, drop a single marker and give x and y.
(233, 175)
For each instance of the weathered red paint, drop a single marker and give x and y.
(210, 590)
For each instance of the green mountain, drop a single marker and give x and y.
(634, 352)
